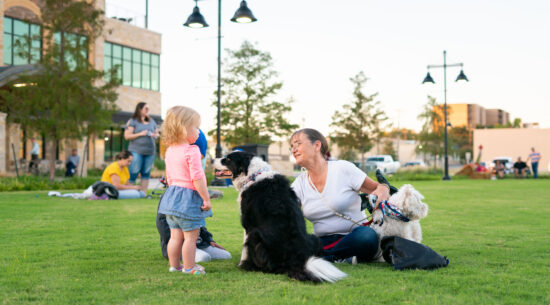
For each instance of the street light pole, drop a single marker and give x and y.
(429, 79)
(196, 20)
(446, 175)
(219, 117)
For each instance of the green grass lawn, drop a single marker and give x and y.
(65, 251)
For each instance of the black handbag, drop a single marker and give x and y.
(407, 254)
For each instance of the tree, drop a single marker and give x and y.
(389, 149)
(460, 141)
(248, 112)
(67, 98)
(431, 136)
(359, 125)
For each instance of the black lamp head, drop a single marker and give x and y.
(196, 20)
(243, 14)
(461, 76)
(428, 79)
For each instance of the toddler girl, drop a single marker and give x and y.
(186, 202)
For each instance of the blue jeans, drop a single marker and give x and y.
(361, 242)
(130, 194)
(141, 164)
(535, 167)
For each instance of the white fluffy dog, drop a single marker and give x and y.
(409, 203)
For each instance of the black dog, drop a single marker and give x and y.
(276, 240)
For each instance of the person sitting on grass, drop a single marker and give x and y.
(519, 168)
(207, 248)
(118, 175)
(498, 170)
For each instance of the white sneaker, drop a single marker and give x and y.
(350, 260)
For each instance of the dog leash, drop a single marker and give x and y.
(346, 217)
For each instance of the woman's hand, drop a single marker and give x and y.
(382, 191)
(215, 245)
(206, 205)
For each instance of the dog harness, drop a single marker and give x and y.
(391, 211)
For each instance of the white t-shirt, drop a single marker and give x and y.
(343, 183)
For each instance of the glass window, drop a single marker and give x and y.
(155, 60)
(136, 75)
(18, 59)
(146, 77)
(127, 73)
(18, 30)
(155, 80)
(35, 31)
(118, 62)
(139, 68)
(117, 51)
(146, 58)
(8, 25)
(7, 50)
(107, 50)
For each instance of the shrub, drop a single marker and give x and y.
(34, 183)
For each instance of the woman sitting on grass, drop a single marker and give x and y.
(118, 175)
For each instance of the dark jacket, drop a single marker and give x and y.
(204, 240)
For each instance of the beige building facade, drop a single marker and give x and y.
(469, 115)
(497, 117)
(513, 142)
(136, 49)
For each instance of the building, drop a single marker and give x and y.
(474, 115)
(135, 48)
(513, 143)
(469, 115)
(497, 117)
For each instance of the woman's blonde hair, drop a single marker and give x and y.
(174, 127)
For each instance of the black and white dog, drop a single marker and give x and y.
(275, 238)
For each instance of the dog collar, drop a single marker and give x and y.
(252, 178)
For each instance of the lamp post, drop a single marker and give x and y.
(429, 79)
(196, 20)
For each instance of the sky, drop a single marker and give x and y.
(318, 45)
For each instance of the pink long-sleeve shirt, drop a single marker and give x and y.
(183, 165)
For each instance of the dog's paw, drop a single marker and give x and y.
(248, 266)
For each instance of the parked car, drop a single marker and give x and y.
(508, 163)
(384, 163)
(418, 163)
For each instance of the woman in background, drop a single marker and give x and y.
(141, 131)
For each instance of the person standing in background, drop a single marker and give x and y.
(72, 163)
(534, 156)
(141, 131)
(35, 151)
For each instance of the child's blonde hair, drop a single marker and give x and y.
(174, 127)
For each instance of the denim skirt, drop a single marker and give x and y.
(184, 203)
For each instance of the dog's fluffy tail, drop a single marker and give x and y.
(323, 270)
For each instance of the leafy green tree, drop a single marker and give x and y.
(389, 149)
(359, 125)
(431, 137)
(461, 141)
(66, 98)
(248, 112)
